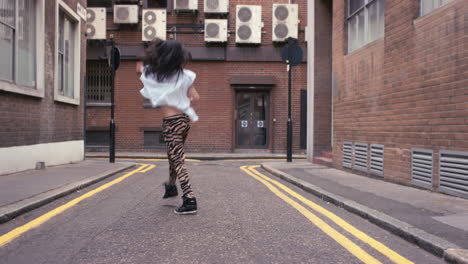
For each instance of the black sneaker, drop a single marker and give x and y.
(171, 190)
(189, 206)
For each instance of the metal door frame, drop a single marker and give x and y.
(238, 90)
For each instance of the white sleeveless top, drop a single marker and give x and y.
(171, 92)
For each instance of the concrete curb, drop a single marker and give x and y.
(13, 210)
(431, 243)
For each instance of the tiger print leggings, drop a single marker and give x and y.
(175, 131)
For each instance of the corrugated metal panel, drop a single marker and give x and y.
(377, 159)
(421, 167)
(453, 171)
(347, 154)
(360, 157)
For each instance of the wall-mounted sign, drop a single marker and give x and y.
(244, 123)
(259, 123)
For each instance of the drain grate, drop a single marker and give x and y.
(360, 157)
(421, 167)
(453, 171)
(377, 159)
(347, 154)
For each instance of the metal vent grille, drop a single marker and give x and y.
(244, 14)
(122, 13)
(244, 32)
(347, 154)
(281, 31)
(360, 157)
(212, 4)
(212, 30)
(377, 159)
(421, 167)
(453, 171)
(281, 12)
(98, 81)
(182, 4)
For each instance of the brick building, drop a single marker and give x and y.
(243, 87)
(400, 91)
(42, 46)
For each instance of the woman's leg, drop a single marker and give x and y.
(175, 135)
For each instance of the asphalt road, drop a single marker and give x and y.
(243, 217)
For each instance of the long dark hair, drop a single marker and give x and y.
(165, 59)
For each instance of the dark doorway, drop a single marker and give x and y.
(252, 119)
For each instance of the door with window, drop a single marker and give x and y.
(252, 119)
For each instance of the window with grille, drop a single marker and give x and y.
(365, 22)
(97, 138)
(153, 139)
(428, 5)
(98, 81)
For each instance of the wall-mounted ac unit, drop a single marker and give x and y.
(186, 5)
(216, 30)
(96, 23)
(285, 21)
(126, 14)
(216, 6)
(249, 24)
(154, 24)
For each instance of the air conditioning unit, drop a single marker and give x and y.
(285, 21)
(186, 5)
(154, 24)
(96, 23)
(216, 6)
(249, 24)
(125, 14)
(216, 30)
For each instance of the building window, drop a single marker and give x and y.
(67, 55)
(98, 82)
(97, 138)
(153, 139)
(157, 3)
(428, 5)
(18, 42)
(365, 22)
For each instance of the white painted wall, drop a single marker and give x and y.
(21, 158)
(310, 77)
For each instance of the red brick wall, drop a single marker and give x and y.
(27, 120)
(406, 90)
(215, 130)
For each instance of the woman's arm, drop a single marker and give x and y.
(193, 94)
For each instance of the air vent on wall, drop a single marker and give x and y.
(249, 24)
(154, 24)
(360, 157)
(126, 14)
(216, 6)
(347, 154)
(453, 173)
(285, 21)
(216, 30)
(421, 167)
(186, 5)
(96, 23)
(376, 159)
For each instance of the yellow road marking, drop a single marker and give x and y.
(15, 233)
(148, 168)
(392, 255)
(331, 232)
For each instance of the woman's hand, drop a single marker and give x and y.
(193, 94)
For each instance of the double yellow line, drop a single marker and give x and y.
(15, 233)
(322, 225)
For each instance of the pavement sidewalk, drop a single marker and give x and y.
(199, 156)
(25, 191)
(436, 222)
